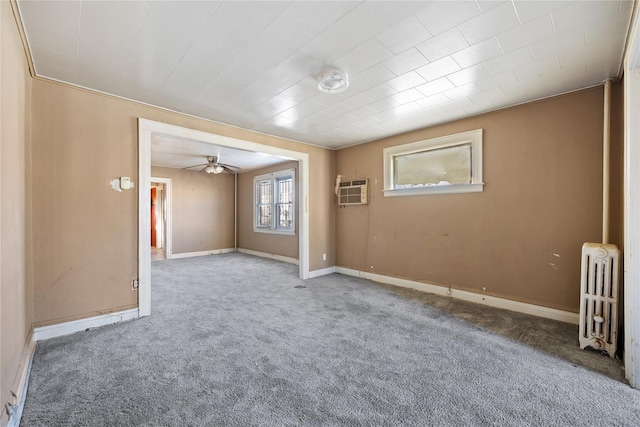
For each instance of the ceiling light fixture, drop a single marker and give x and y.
(332, 81)
(215, 169)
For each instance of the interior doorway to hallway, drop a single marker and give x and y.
(160, 218)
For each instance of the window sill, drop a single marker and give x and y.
(435, 189)
(270, 231)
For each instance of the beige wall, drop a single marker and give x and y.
(277, 244)
(15, 290)
(202, 209)
(85, 234)
(521, 238)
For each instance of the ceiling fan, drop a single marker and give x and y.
(214, 166)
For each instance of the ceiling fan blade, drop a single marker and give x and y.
(204, 168)
(195, 166)
(224, 165)
(228, 169)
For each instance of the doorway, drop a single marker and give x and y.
(160, 218)
(146, 130)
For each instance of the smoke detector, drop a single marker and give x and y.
(332, 81)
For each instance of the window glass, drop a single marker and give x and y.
(439, 166)
(274, 210)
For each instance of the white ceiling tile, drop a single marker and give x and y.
(436, 86)
(572, 39)
(356, 101)
(93, 64)
(608, 26)
(488, 96)
(406, 96)
(117, 21)
(430, 101)
(54, 59)
(439, 68)
(58, 17)
(56, 42)
(109, 49)
(363, 57)
(362, 112)
(56, 73)
(547, 65)
(477, 53)
(301, 91)
(526, 34)
(529, 10)
(487, 25)
(381, 105)
(404, 35)
(577, 14)
(378, 92)
(440, 16)
(406, 61)
(514, 90)
(496, 80)
(460, 91)
(406, 81)
(487, 5)
(443, 44)
(368, 79)
(467, 75)
(509, 60)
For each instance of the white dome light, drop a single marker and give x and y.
(333, 81)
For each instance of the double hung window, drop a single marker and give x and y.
(274, 196)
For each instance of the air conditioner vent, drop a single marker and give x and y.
(353, 193)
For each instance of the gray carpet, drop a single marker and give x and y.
(236, 340)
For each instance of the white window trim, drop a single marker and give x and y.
(274, 176)
(474, 137)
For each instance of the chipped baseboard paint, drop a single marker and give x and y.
(16, 407)
(66, 328)
(497, 302)
(202, 253)
(267, 255)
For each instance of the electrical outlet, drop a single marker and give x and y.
(324, 257)
(134, 284)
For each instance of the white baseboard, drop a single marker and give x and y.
(16, 405)
(202, 253)
(322, 272)
(507, 304)
(60, 329)
(267, 255)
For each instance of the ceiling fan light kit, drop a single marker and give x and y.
(214, 166)
(332, 81)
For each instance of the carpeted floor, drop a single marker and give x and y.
(236, 340)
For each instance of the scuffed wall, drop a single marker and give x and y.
(85, 234)
(519, 239)
(16, 308)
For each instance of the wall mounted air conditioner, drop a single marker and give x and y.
(353, 192)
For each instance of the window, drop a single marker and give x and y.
(274, 197)
(449, 164)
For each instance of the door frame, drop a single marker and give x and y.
(146, 129)
(166, 182)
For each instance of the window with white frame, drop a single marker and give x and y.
(274, 195)
(448, 164)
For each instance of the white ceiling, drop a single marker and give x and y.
(174, 152)
(253, 64)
